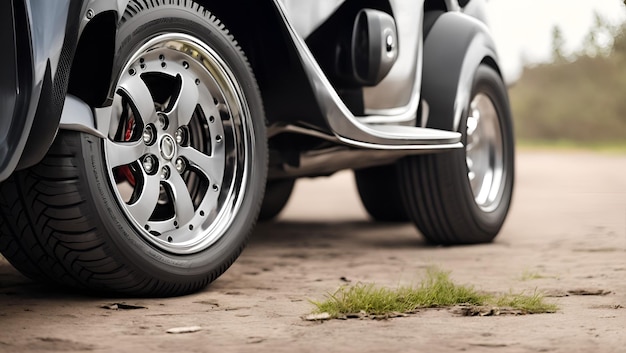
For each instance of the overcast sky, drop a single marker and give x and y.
(523, 28)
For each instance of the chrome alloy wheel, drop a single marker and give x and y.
(485, 153)
(178, 143)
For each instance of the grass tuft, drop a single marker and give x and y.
(531, 304)
(436, 291)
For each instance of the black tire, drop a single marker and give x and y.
(380, 193)
(437, 191)
(277, 193)
(166, 203)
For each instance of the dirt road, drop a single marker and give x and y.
(566, 236)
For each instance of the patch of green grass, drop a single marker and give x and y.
(436, 291)
(364, 297)
(532, 304)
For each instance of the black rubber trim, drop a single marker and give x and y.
(52, 98)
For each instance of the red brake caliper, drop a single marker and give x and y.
(124, 172)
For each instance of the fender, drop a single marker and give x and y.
(38, 56)
(41, 56)
(454, 48)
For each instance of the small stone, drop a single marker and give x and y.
(188, 329)
(318, 317)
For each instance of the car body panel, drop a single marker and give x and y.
(40, 28)
(36, 72)
(388, 117)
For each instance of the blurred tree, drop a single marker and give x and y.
(619, 41)
(599, 40)
(557, 44)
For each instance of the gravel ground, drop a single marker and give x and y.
(566, 237)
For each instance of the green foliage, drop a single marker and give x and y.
(437, 290)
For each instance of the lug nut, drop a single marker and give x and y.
(163, 122)
(181, 136)
(149, 164)
(165, 173)
(148, 135)
(181, 165)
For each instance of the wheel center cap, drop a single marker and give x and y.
(168, 147)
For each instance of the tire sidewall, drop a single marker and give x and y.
(488, 81)
(124, 238)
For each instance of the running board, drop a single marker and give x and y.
(347, 128)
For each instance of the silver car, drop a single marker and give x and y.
(141, 140)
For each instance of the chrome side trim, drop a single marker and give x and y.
(346, 126)
(333, 159)
(275, 130)
(278, 129)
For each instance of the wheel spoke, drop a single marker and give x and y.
(123, 153)
(177, 149)
(161, 227)
(135, 89)
(143, 208)
(212, 167)
(182, 200)
(186, 101)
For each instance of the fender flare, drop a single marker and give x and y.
(453, 49)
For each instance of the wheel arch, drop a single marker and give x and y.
(260, 31)
(455, 46)
(92, 66)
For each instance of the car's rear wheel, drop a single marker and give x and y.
(277, 194)
(463, 197)
(380, 193)
(166, 202)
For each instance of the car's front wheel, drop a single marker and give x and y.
(166, 202)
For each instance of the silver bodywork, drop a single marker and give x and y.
(399, 91)
(390, 122)
(348, 129)
(192, 118)
(397, 96)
